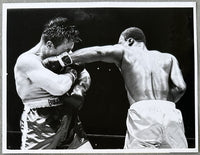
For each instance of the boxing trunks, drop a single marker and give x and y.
(154, 124)
(48, 124)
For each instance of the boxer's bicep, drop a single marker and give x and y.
(108, 53)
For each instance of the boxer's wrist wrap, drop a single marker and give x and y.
(64, 59)
(73, 73)
(60, 61)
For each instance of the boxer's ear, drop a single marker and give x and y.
(49, 44)
(130, 41)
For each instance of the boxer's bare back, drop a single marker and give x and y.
(149, 75)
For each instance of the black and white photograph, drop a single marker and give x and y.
(99, 77)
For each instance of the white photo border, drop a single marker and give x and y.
(46, 5)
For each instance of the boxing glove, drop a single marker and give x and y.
(52, 64)
(56, 63)
(78, 68)
(73, 101)
(75, 97)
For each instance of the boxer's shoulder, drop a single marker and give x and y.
(27, 61)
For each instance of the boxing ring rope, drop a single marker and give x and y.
(89, 135)
(92, 135)
(106, 136)
(96, 139)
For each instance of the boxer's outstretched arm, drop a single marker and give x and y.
(108, 53)
(177, 80)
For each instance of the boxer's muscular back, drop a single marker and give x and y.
(146, 74)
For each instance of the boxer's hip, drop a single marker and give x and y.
(155, 111)
(48, 124)
(42, 103)
(151, 121)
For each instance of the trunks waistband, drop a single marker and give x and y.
(153, 103)
(51, 102)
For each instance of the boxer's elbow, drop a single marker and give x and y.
(104, 51)
(62, 87)
(182, 89)
(107, 54)
(101, 54)
(60, 90)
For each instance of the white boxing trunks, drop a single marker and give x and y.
(154, 124)
(47, 124)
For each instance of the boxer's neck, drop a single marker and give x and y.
(140, 45)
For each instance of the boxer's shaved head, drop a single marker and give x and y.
(135, 33)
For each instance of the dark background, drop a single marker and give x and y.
(104, 113)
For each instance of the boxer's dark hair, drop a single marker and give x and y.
(135, 33)
(57, 29)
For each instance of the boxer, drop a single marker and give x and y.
(51, 97)
(154, 84)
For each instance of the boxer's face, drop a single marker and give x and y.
(65, 46)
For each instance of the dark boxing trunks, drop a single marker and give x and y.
(50, 125)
